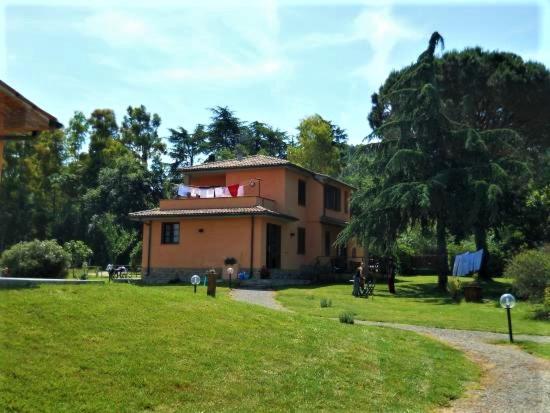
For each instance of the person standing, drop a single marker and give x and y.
(391, 270)
(357, 281)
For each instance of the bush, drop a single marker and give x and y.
(347, 317)
(78, 251)
(531, 273)
(543, 312)
(326, 302)
(135, 255)
(42, 259)
(454, 287)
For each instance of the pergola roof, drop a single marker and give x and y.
(20, 118)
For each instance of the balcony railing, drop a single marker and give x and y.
(209, 203)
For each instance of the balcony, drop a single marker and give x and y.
(208, 203)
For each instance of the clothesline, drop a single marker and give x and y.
(235, 190)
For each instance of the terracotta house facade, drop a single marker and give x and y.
(281, 225)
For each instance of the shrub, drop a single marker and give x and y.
(346, 317)
(135, 255)
(454, 287)
(531, 273)
(44, 259)
(543, 312)
(78, 251)
(326, 302)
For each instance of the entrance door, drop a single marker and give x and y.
(273, 246)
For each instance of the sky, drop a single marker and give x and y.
(271, 61)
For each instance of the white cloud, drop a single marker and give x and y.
(231, 72)
(378, 28)
(383, 32)
(206, 43)
(123, 29)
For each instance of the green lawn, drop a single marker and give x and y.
(128, 348)
(536, 349)
(417, 302)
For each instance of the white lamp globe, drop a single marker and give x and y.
(507, 301)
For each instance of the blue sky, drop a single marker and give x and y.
(272, 61)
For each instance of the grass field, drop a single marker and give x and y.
(536, 349)
(130, 348)
(417, 302)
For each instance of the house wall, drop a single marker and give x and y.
(208, 180)
(231, 236)
(197, 251)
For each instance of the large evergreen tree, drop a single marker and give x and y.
(139, 133)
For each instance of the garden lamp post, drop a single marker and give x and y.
(230, 273)
(195, 280)
(508, 301)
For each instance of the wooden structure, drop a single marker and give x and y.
(20, 118)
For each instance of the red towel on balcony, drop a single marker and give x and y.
(233, 189)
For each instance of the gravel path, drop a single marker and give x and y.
(513, 380)
(265, 298)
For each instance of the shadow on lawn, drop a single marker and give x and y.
(426, 292)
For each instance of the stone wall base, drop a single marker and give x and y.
(279, 276)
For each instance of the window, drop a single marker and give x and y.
(301, 241)
(327, 244)
(332, 197)
(170, 233)
(301, 192)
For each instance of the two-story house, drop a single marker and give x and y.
(266, 212)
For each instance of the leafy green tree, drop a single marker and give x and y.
(497, 90)
(224, 130)
(186, 147)
(118, 240)
(104, 144)
(78, 251)
(76, 132)
(122, 187)
(140, 133)
(261, 138)
(315, 148)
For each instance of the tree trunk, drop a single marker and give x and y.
(480, 235)
(443, 267)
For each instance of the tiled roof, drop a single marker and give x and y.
(167, 213)
(255, 161)
(246, 162)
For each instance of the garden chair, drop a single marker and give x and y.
(368, 290)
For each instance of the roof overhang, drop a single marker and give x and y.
(214, 213)
(20, 118)
(333, 221)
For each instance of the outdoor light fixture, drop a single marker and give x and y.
(195, 280)
(508, 301)
(230, 273)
